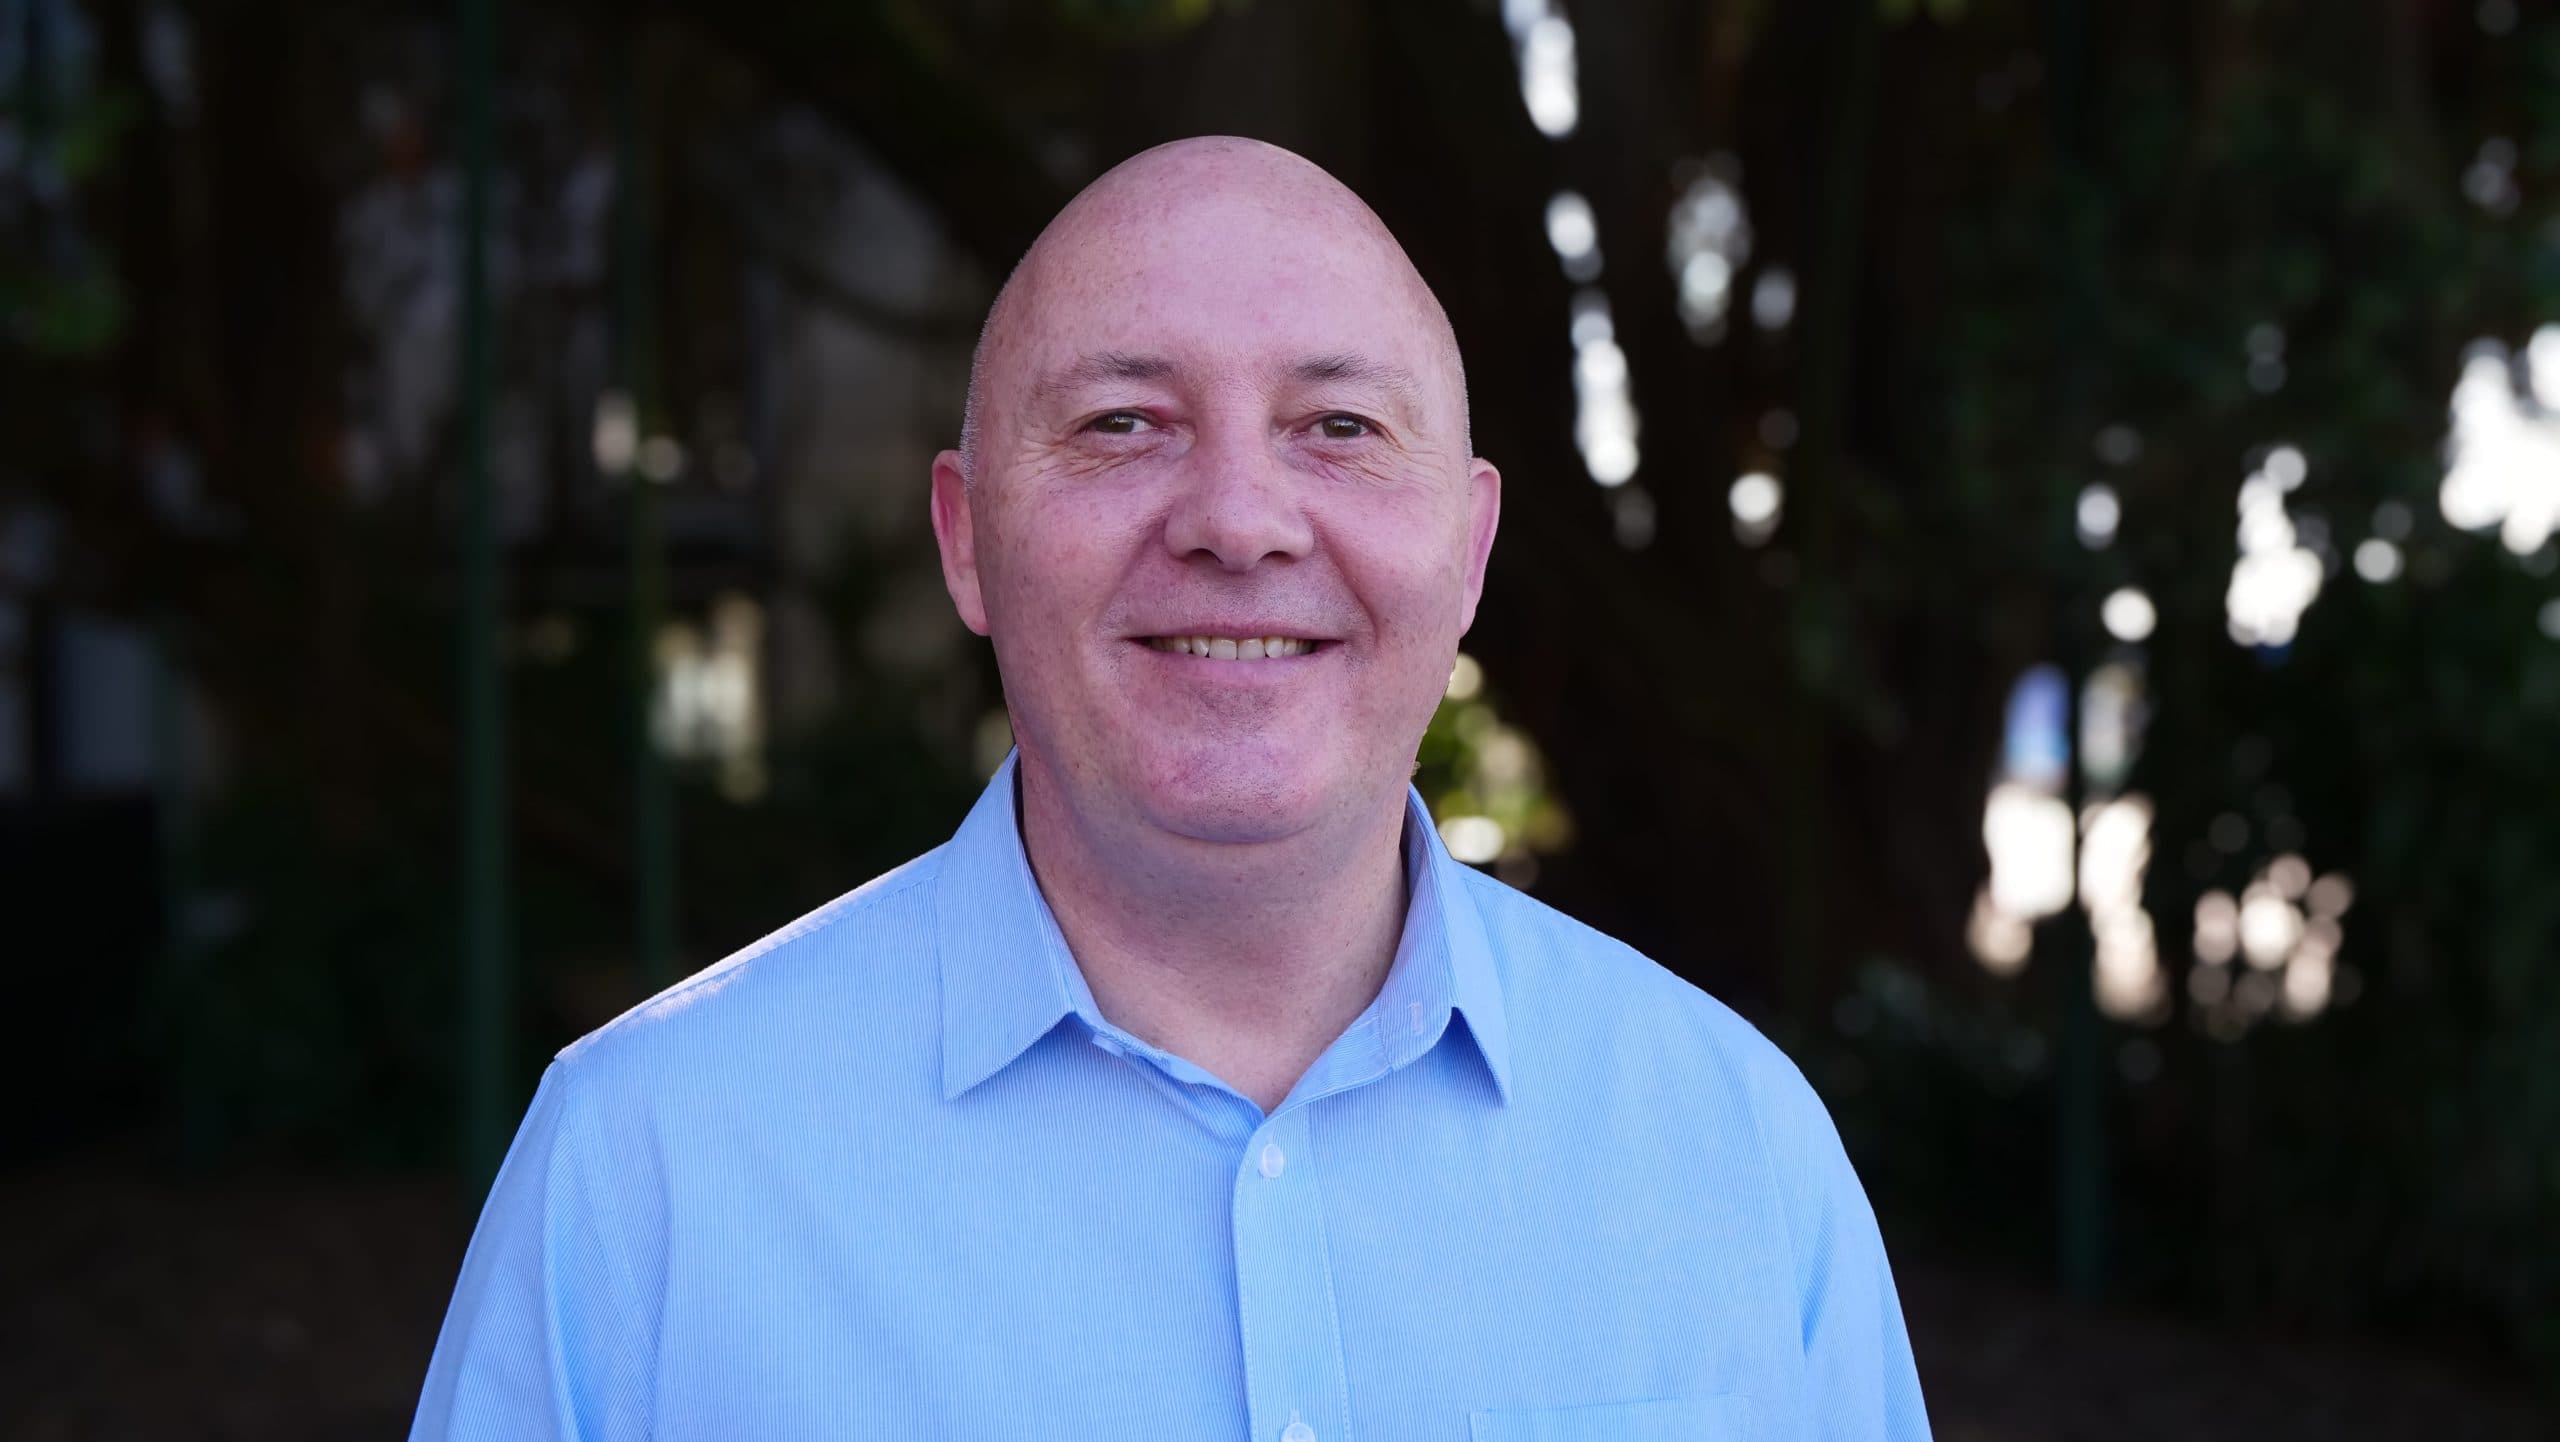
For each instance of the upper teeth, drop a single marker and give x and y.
(1221, 648)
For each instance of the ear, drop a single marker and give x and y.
(1484, 515)
(955, 530)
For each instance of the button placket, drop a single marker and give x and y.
(1294, 1383)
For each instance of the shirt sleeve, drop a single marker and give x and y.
(550, 1331)
(1859, 1378)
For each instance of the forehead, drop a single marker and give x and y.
(1222, 283)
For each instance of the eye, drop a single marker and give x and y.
(1118, 423)
(1343, 427)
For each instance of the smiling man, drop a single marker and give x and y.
(1191, 1090)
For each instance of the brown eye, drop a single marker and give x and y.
(1342, 428)
(1117, 423)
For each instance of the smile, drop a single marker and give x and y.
(1226, 648)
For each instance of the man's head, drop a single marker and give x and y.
(1216, 401)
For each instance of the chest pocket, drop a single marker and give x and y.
(1677, 1419)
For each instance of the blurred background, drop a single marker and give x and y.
(2029, 570)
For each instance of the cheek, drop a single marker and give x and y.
(1409, 572)
(1056, 560)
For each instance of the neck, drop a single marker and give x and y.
(1246, 959)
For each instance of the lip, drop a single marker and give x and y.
(1234, 630)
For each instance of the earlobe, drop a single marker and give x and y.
(955, 532)
(1484, 517)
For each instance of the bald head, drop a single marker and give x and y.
(1201, 194)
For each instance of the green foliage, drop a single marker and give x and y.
(70, 311)
(59, 293)
(1472, 764)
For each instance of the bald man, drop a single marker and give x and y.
(1191, 1090)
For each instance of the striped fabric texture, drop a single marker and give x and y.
(889, 1173)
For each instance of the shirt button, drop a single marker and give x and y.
(1297, 1432)
(1272, 1162)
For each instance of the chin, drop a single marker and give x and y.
(1235, 794)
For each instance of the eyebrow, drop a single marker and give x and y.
(1091, 370)
(1334, 366)
(1360, 370)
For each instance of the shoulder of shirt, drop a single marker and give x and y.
(748, 979)
(1555, 967)
(1631, 999)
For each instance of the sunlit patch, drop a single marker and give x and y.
(2115, 851)
(1604, 420)
(1708, 241)
(1475, 840)
(2028, 834)
(1542, 42)
(1575, 234)
(1997, 939)
(2503, 456)
(1486, 783)
(2285, 929)
(2096, 515)
(1466, 678)
(1758, 503)
(616, 437)
(2043, 858)
(2276, 578)
(2026, 827)
(2377, 560)
(706, 704)
(2217, 937)
(2128, 615)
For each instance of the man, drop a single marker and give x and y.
(1191, 1091)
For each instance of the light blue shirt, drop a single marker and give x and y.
(889, 1173)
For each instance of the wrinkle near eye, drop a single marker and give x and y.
(1363, 461)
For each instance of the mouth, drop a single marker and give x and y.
(1235, 648)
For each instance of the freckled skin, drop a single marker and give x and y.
(1219, 490)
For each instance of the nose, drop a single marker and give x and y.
(1237, 504)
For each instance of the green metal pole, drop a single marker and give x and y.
(487, 969)
(199, 1126)
(653, 859)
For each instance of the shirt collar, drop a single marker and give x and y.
(1008, 977)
